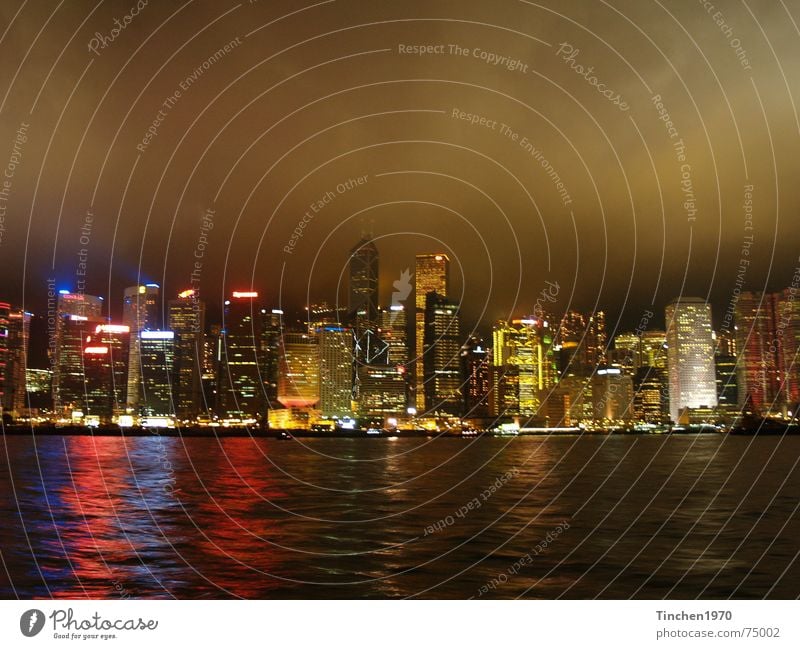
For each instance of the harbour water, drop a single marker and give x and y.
(653, 516)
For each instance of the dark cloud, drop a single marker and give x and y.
(301, 102)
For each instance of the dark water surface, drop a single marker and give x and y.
(572, 517)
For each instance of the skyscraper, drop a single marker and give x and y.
(298, 380)
(789, 346)
(727, 381)
(612, 395)
(476, 366)
(441, 356)
(381, 390)
(105, 364)
(5, 350)
(14, 333)
(270, 353)
(157, 354)
(527, 346)
(187, 319)
(650, 401)
(632, 350)
(363, 295)
(335, 371)
(393, 331)
(581, 340)
(241, 390)
(690, 355)
(77, 316)
(432, 275)
(758, 373)
(139, 313)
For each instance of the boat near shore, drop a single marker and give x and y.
(756, 425)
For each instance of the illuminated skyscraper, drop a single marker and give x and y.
(727, 381)
(758, 373)
(650, 401)
(298, 380)
(527, 346)
(14, 333)
(504, 392)
(77, 317)
(632, 351)
(105, 364)
(393, 332)
(476, 367)
(323, 313)
(654, 349)
(270, 353)
(627, 352)
(381, 390)
(187, 319)
(432, 275)
(789, 348)
(157, 353)
(690, 355)
(612, 395)
(582, 342)
(335, 371)
(441, 356)
(241, 390)
(363, 296)
(39, 387)
(139, 312)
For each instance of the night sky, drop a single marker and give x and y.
(260, 110)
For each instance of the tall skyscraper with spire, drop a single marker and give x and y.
(363, 297)
(432, 276)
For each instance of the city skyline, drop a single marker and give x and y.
(357, 361)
